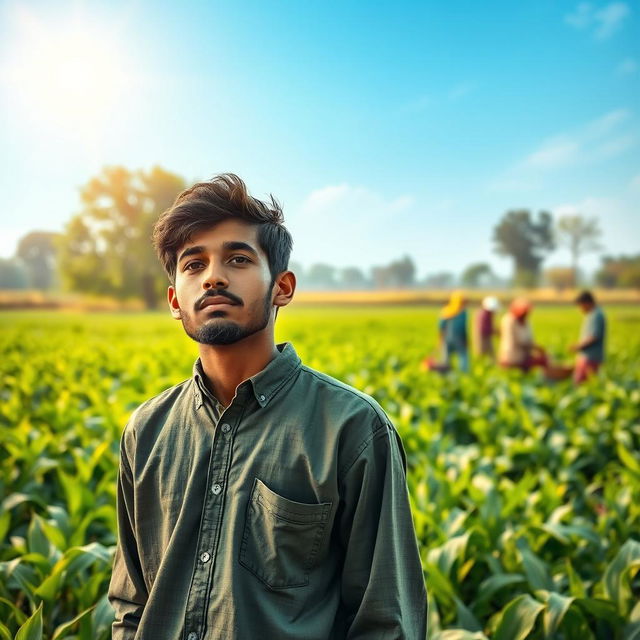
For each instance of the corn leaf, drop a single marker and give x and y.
(32, 628)
(518, 618)
(65, 628)
(618, 572)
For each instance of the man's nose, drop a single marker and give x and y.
(215, 278)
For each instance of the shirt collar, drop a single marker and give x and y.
(264, 384)
(200, 390)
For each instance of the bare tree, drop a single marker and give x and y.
(580, 235)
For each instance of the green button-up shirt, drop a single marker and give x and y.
(285, 515)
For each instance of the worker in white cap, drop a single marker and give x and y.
(484, 329)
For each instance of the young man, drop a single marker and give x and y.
(590, 347)
(259, 498)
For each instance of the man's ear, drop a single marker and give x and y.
(284, 288)
(174, 307)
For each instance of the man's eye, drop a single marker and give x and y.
(188, 266)
(240, 260)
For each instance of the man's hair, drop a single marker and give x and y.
(585, 297)
(205, 204)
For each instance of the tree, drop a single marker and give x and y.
(380, 277)
(560, 277)
(440, 280)
(353, 278)
(13, 275)
(476, 275)
(526, 240)
(623, 271)
(38, 252)
(321, 276)
(402, 272)
(580, 235)
(107, 248)
(397, 274)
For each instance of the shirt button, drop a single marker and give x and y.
(192, 636)
(263, 397)
(226, 428)
(216, 489)
(205, 557)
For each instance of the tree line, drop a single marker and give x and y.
(105, 249)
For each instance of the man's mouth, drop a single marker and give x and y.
(217, 300)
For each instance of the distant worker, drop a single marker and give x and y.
(517, 346)
(453, 331)
(590, 347)
(484, 329)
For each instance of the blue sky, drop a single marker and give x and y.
(383, 128)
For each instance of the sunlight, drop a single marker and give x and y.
(68, 76)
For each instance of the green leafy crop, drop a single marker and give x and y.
(525, 493)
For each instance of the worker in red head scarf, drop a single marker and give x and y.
(517, 346)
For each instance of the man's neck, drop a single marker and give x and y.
(227, 366)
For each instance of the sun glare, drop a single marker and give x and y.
(70, 77)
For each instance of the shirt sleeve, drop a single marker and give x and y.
(382, 585)
(127, 591)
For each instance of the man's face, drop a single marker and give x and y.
(223, 289)
(585, 307)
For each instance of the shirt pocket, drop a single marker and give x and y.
(281, 537)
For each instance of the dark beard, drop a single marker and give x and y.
(224, 333)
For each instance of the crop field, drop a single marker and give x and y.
(525, 493)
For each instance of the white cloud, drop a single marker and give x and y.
(347, 224)
(588, 207)
(344, 199)
(581, 17)
(606, 137)
(627, 67)
(553, 153)
(325, 197)
(610, 18)
(602, 22)
(607, 123)
(615, 147)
